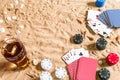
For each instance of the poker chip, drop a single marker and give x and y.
(77, 39)
(101, 44)
(46, 64)
(104, 74)
(60, 73)
(45, 76)
(112, 59)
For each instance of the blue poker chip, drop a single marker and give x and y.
(46, 76)
(60, 73)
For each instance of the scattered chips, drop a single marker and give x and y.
(45, 76)
(104, 74)
(46, 64)
(77, 39)
(101, 44)
(112, 59)
(60, 73)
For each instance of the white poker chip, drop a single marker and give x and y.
(46, 64)
(45, 76)
(60, 73)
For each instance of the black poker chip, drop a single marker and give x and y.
(77, 38)
(104, 74)
(101, 44)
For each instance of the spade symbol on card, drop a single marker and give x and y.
(104, 33)
(81, 54)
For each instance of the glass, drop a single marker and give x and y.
(14, 51)
(12, 47)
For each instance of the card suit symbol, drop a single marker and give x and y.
(67, 58)
(97, 16)
(94, 24)
(104, 33)
(81, 54)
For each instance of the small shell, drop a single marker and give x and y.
(1, 20)
(21, 26)
(108, 50)
(14, 17)
(5, 12)
(12, 5)
(100, 62)
(35, 62)
(9, 18)
(2, 30)
(16, 1)
(22, 5)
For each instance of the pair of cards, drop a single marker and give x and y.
(75, 54)
(110, 18)
(96, 25)
(83, 69)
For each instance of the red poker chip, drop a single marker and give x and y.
(112, 58)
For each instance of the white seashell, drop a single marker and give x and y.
(4, 12)
(11, 5)
(21, 26)
(16, 1)
(22, 5)
(35, 62)
(2, 30)
(9, 18)
(14, 17)
(1, 20)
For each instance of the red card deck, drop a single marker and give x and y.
(83, 69)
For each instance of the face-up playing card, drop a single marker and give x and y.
(86, 69)
(96, 25)
(75, 54)
(100, 28)
(92, 15)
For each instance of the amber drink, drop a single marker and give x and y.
(14, 51)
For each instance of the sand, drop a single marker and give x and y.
(46, 26)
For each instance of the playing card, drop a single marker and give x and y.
(80, 53)
(72, 69)
(68, 57)
(99, 28)
(75, 54)
(114, 17)
(96, 25)
(86, 69)
(93, 15)
(103, 18)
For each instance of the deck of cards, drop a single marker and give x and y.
(96, 25)
(80, 66)
(110, 18)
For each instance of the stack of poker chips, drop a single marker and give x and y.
(104, 74)
(101, 44)
(112, 59)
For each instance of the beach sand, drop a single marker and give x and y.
(46, 26)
